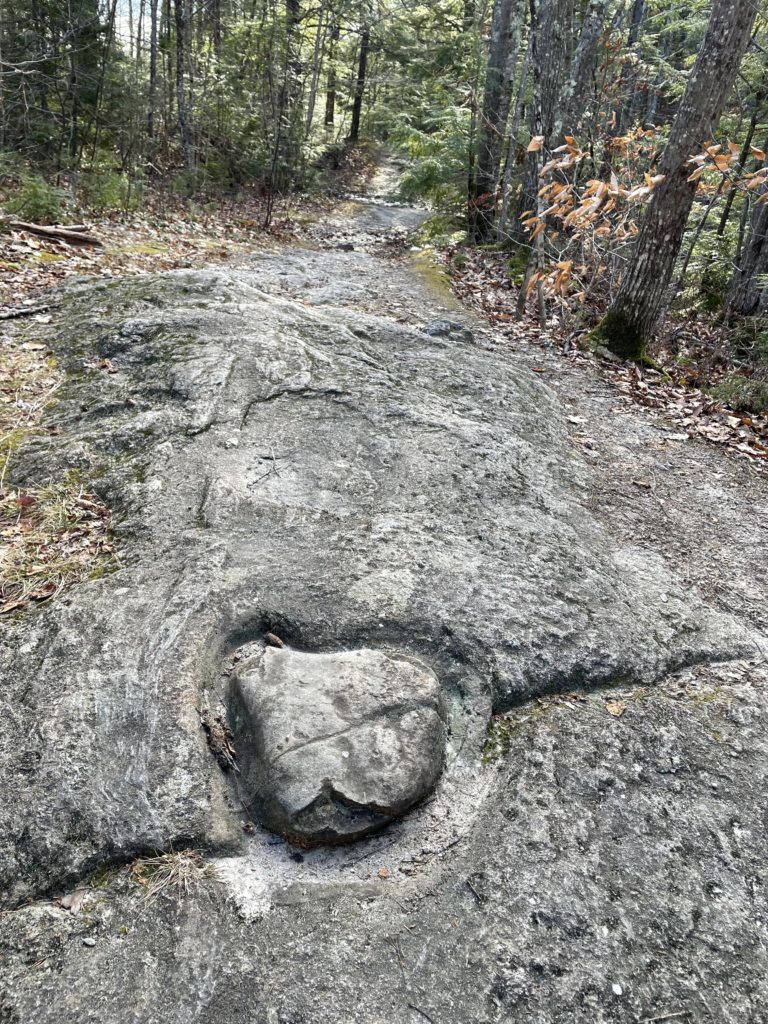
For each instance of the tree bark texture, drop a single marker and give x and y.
(551, 22)
(505, 30)
(640, 301)
(185, 134)
(330, 86)
(629, 74)
(747, 294)
(152, 98)
(357, 103)
(574, 97)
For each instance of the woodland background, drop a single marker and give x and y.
(597, 166)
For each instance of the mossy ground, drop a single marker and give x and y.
(619, 335)
(434, 276)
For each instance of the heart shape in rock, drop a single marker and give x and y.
(335, 745)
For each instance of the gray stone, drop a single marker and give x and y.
(447, 329)
(335, 745)
(392, 494)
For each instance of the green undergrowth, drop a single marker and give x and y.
(441, 229)
(742, 392)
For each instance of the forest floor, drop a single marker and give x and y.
(692, 351)
(168, 235)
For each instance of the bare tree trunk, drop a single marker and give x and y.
(357, 103)
(316, 61)
(284, 148)
(168, 90)
(152, 97)
(330, 85)
(216, 26)
(513, 137)
(102, 74)
(291, 96)
(551, 22)
(747, 294)
(535, 164)
(505, 30)
(573, 102)
(629, 74)
(140, 32)
(641, 297)
(181, 98)
(743, 221)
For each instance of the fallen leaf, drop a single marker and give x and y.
(615, 708)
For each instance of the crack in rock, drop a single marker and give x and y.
(335, 745)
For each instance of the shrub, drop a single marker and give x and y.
(747, 394)
(713, 287)
(36, 200)
(103, 189)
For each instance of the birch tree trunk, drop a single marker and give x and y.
(640, 300)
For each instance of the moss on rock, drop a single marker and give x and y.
(621, 336)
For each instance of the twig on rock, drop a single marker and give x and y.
(665, 1016)
(424, 1014)
(18, 311)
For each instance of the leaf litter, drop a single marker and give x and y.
(55, 534)
(482, 281)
